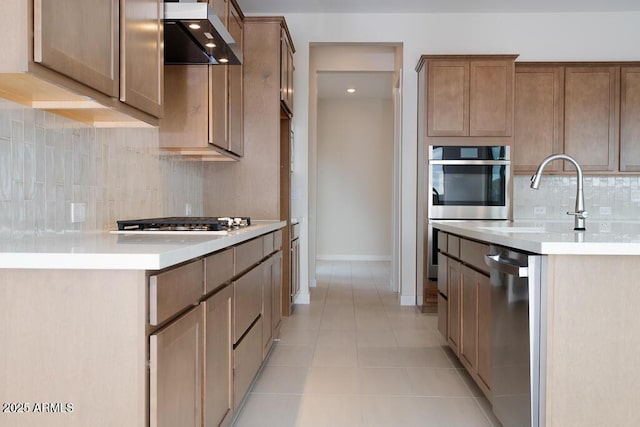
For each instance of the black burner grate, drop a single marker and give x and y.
(184, 223)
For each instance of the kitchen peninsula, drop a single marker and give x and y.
(107, 329)
(590, 330)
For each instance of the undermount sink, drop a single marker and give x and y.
(514, 229)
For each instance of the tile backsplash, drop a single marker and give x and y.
(48, 162)
(606, 197)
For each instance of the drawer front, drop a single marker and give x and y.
(247, 360)
(267, 244)
(443, 241)
(247, 300)
(295, 231)
(174, 290)
(442, 274)
(277, 240)
(453, 246)
(248, 254)
(442, 316)
(473, 253)
(218, 269)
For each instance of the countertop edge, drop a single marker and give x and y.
(151, 260)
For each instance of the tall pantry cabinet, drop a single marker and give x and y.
(258, 185)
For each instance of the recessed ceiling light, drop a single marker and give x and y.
(223, 60)
(194, 26)
(351, 90)
(210, 45)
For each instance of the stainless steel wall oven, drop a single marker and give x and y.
(466, 183)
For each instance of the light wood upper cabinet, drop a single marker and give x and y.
(286, 70)
(142, 55)
(79, 40)
(630, 119)
(591, 116)
(538, 116)
(108, 76)
(235, 121)
(221, 8)
(469, 96)
(491, 98)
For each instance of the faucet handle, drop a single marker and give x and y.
(580, 214)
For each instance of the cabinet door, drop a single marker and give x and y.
(247, 360)
(448, 98)
(290, 69)
(453, 304)
(276, 311)
(538, 117)
(286, 71)
(79, 39)
(630, 119)
(142, 57)
(484, 329)
(295, 268)
(219, 106)
(221, 8)
(491, 98)
(235, 116)
(469, 311)
(267, 305)
(591, 117)
(175, 372)
(218, 357)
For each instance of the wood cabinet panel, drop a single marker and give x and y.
(538, 117)
(277, 278)
(185, 121)
(491, 98)
(142, 55)
(484, 329)
(267, 305)
(469, 311)
(248, 254)
(218, 379)
(286, 71)
(93, 57)
(175, 390)
(218, 269)
(174, 290)
(221, 8)
(630, 119)
(247, 361)
(591, 117)
(453, 304)
(219, 106)
(448, 98)
(247, 297)
(235, 84)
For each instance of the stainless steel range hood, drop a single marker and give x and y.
(193, 34)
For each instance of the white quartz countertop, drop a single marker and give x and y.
(104, 250)
(552, 237)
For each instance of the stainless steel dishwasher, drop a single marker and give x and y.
(516, 345)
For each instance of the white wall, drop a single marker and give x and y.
(355, 163)
(536, 37)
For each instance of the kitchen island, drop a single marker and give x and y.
(110, 329)
(590, 330)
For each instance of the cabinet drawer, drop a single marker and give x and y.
(247, 300)
(174, 290)
(248, 254)
(472, 253)
(247, 361)
(218, 269)
(267, 244)
(277, 240)
(453, 245)
(442, 241)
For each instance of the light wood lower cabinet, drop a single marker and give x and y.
(464, 317)
(218, 358)
(175, 372)
(247, 359)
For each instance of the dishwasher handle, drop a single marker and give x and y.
(506, 265)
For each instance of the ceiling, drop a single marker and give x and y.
(436, 6)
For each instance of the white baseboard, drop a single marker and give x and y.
(353, 257)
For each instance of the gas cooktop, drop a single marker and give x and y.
(184, 224)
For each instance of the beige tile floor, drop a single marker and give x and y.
(355, 357)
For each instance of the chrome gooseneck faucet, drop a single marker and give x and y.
(580, 214)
